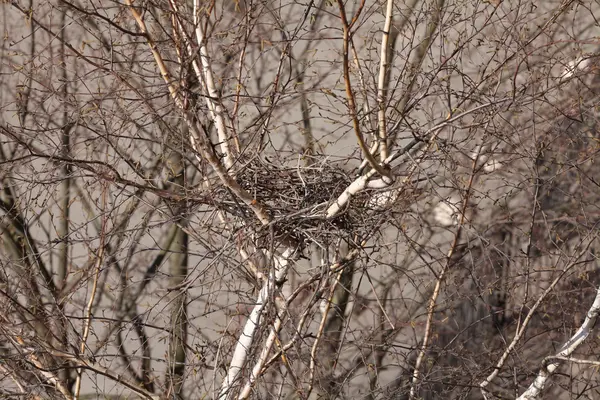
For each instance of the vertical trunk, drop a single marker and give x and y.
(64, 200)
(178, 262)
(65, 184)
(327, 386)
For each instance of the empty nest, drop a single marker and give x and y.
(297, 197)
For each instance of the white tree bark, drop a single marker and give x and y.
(381, 83)
(242, 349)
(217, 112)
(549, 367)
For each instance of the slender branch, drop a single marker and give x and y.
(334, 268)
(217, 112)
(438, 285)
(198, 139)
(366, 105)
(126, 358)
(350, 94)
(417, 61)
(362, 182)
(64, 200)
(84, 364)
(239, 85)
(164, 71)
(262, 358)
(178, 267)
(15, 380)
(329, 302)
(88, 309)
(20, 230)
(307, 133)
(24, 94)
(396, 28)
(381, 83)
(52, 378)
(571, 360)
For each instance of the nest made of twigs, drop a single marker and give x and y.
(287, 189)
(297, 196)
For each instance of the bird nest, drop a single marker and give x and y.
(297, 196)
(287, 190)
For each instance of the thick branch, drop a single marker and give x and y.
(244, 345)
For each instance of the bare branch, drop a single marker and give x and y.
(552, 363)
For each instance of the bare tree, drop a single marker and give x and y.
(299, 200)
